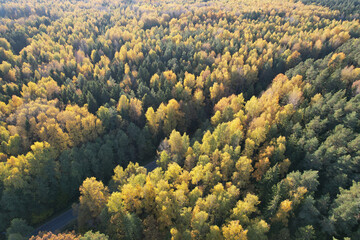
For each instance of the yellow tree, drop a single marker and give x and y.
(93, 198)
(152, 120)
(173, 116)
(234, 231)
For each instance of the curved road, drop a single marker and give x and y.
(64, 219)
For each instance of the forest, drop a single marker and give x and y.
(250, 108)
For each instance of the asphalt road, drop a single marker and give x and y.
(151, 166)
(57, 223)
(64, 219)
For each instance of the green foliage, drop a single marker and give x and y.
(18, 229)
(345, 210)
(253, 108)
(349, 8)
(94, 236)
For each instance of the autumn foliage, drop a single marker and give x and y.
(249, 108)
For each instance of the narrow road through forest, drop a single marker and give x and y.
(65, 218)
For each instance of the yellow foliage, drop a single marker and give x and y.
(234, 231)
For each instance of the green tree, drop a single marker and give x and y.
(19, 229)
(344, 213)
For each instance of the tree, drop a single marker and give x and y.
(242, 176)
(164, 160)
(204, 73)
(13, 147)
(199, 224)
(244, 209)
(59, 236)
(258, 229)
(108, 117)
(283, 212)
(173, 116)
(344, 213)
(214, 234)
(93, 198)
(306, 232)
(178, 146)
(92, 104)
(152, 120)
(135, 109)
(233, 231)
(130, 227)
(123, 105)
(90, 235)
(18, 229)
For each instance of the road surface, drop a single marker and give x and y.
(64, 219)
(57, 223)
(151, 166)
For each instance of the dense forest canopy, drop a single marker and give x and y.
(349, 9)
(250, 109)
